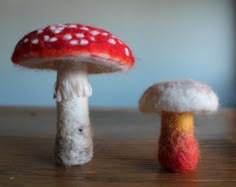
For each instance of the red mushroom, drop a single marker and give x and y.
(73, 50)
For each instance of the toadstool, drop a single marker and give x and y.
(177, 101)
(74, 51)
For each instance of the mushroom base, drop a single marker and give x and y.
(178, 148)
(74, 145)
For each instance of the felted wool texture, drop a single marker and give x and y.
(178, 149)
(74, 145)
(71, 82)
(179, 96)
(46, 48)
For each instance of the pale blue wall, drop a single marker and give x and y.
(171, 39)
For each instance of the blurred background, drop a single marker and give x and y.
(171, 39)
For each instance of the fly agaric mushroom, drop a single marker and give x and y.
(74, 51)
(177, 101)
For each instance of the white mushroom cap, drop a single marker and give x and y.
(179, 96)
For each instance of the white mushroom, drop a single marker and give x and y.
(177, 101)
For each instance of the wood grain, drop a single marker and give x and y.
(125, 150)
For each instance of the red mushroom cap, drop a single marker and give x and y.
(47, 47)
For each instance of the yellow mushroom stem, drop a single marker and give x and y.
(182, 122)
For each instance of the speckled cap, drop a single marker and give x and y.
(47, 47)
(179, 96)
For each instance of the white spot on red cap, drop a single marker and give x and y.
(53, 39)
(84, 42)
(112, 41)
(46, 38)
(79, 35)
(74, 42)
(67, 37)
(35, 41)
(39, 31)
(94, 32)
(61, 25)
(127, 51)
(104, 33)
(92, 38)
(52, 27)
(57, 31)
(84, 28)
(72, 26)
(26, 40)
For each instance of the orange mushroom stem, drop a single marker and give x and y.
(178, 148)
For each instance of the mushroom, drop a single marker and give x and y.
(177, 100)
(74, 51)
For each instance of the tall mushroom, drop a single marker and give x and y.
(177, 101)
(74, 51)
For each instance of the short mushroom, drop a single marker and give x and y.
(177, 100)
(74, 51)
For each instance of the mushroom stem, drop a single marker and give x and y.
(178, 148)
(74, 145)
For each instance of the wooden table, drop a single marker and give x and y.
(125, 150)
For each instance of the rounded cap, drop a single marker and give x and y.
(46, 48)
(179, 96)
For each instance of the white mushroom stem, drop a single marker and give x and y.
(74, 145)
